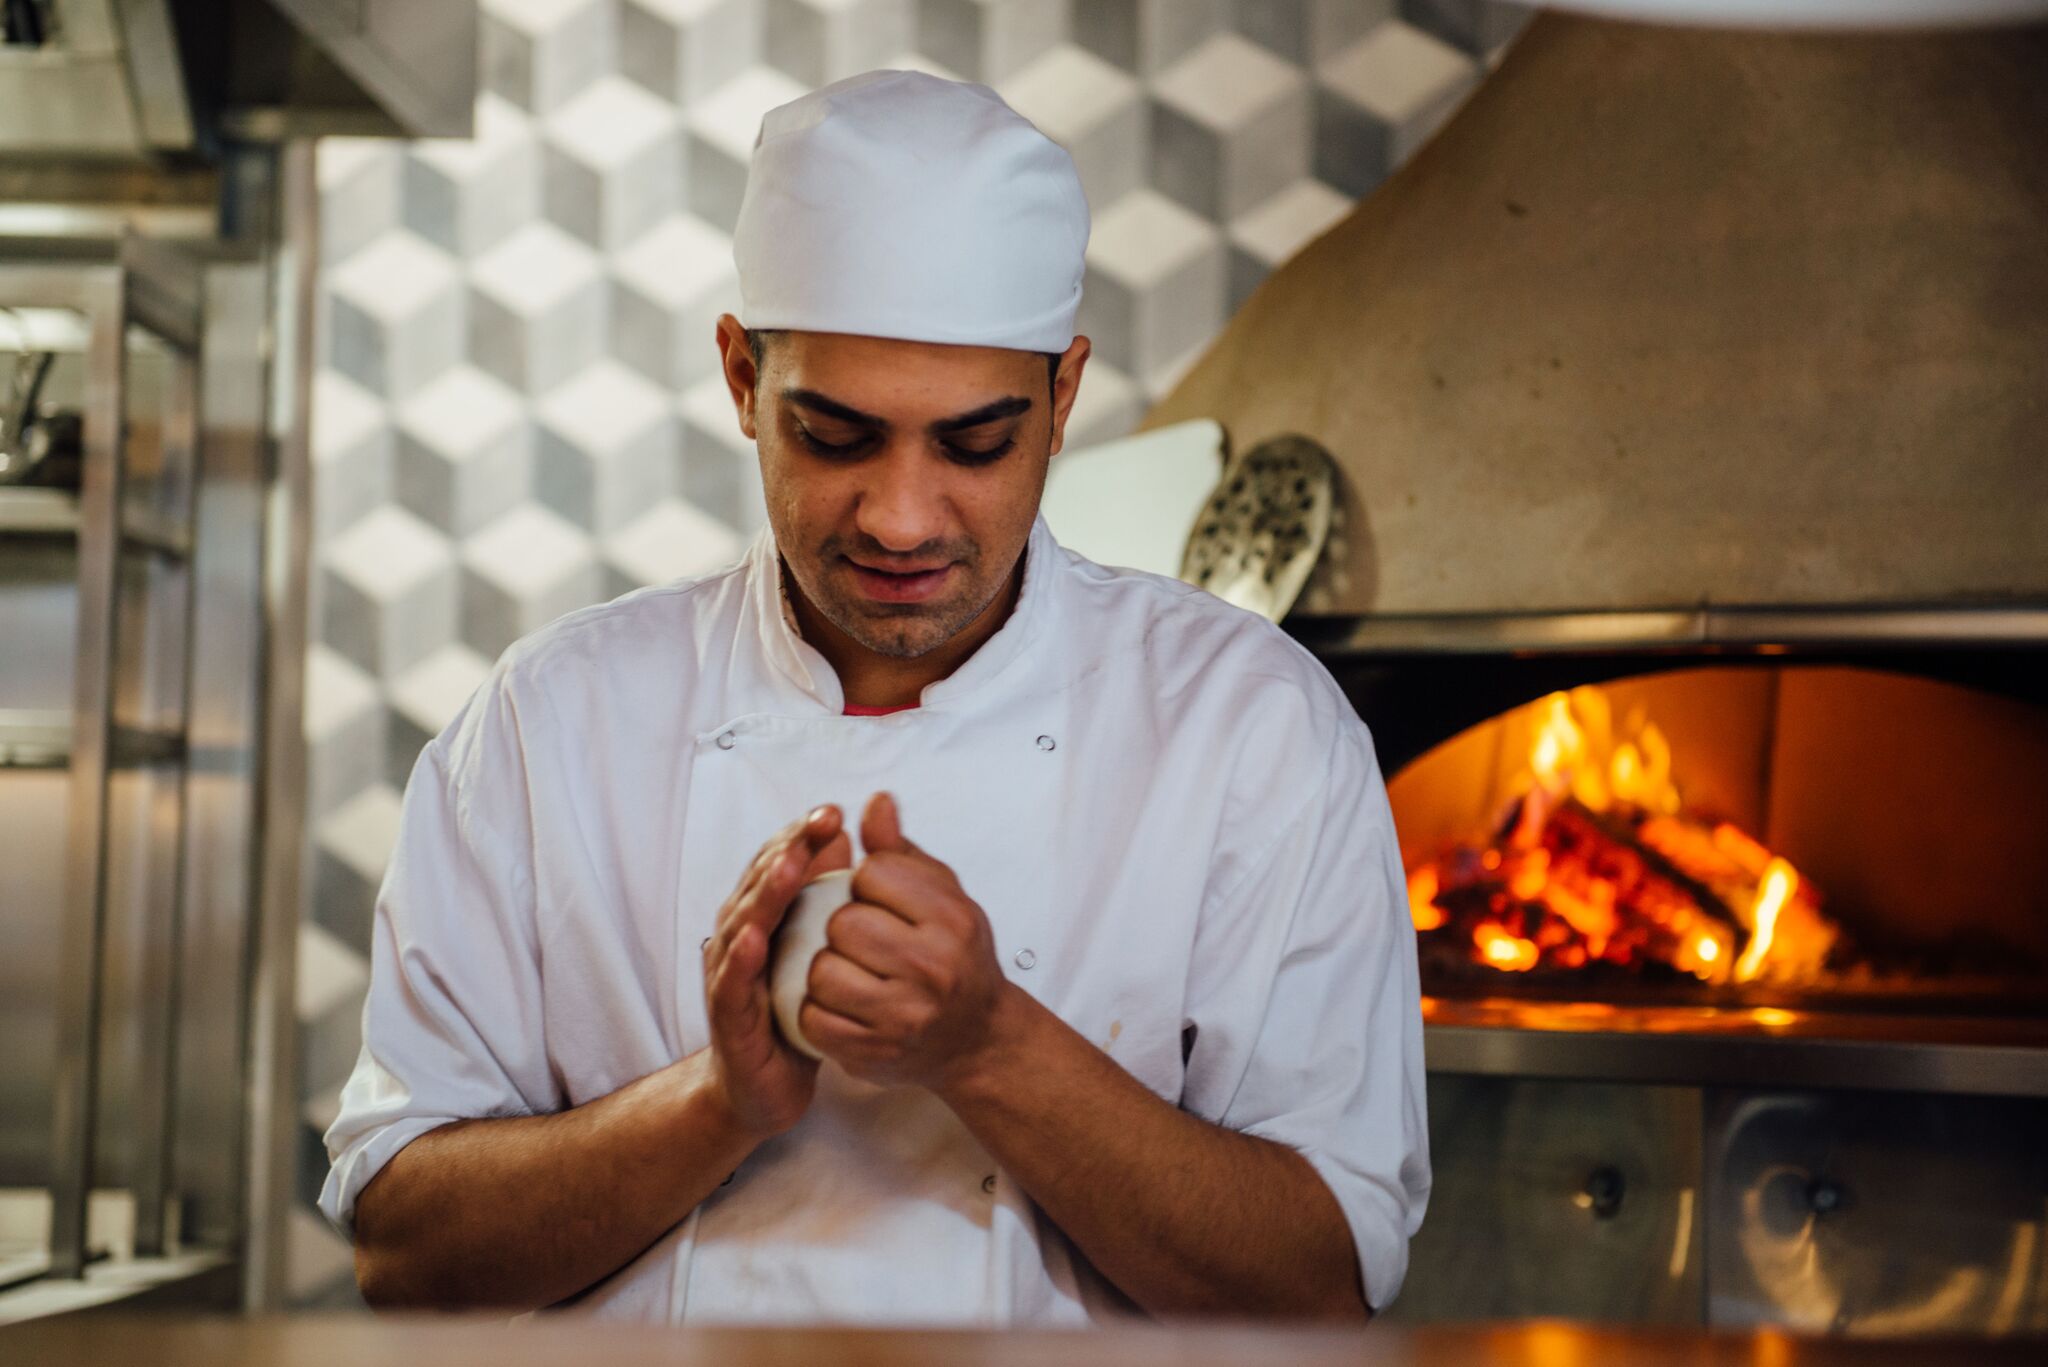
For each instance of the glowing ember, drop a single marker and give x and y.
(1595, 860)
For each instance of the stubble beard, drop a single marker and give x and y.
(902, 631)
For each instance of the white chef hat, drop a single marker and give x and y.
(897, 204)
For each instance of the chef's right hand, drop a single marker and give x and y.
(765, 1084)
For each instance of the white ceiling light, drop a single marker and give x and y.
(1810, 14)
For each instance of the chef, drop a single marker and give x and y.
(1123, 1018)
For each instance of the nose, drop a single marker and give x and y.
(902, 507)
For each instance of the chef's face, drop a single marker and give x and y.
(902, 478)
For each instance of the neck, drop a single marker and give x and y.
(869, 678)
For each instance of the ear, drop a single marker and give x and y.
(1065, 386)
(742, 377)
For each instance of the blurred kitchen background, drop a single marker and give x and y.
(403, 312)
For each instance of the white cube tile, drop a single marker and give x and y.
(1155, 284)
(425, 699)
(1108, 406)
(540, 53)
(606, 448)
(987, 40)
(1268, 235)
(668, 290)
(1145, 36)
(350, 850)
(614, 163)
(359, 193)
(536, 308)
(1303, 31)
(1230, 127)
(395, 314)
(1095, 111)
(721, 467)
(721, 129)
(820, 41)
(671, 540)
(467, 194)
(352, 452)
(521, 572)
(1380, 99)
(464, 451)
(388, 586)
(344, 726)
(683, 50)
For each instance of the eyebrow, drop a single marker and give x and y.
(1008, 407)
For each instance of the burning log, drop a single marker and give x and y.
(1596, 863)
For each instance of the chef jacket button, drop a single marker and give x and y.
(726, 740)
(1025, 958)
(988, 1183)
(1047, 743)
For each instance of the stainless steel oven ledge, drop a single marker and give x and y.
(1709, 1047)
(1689, 629)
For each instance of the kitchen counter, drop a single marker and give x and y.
(451, 1342)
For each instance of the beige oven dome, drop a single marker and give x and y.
(1668, 316)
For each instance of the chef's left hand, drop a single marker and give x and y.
(907, 987)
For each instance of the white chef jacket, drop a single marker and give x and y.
(1170, 814)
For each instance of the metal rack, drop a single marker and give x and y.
(125, 292)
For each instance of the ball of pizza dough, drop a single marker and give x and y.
(797, 942)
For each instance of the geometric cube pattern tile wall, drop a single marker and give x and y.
(517, 409)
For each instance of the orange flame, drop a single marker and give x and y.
(1780, 882)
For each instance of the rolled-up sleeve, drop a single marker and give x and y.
(1305, 1012)
(452, 1024)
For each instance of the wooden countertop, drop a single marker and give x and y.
(369, 1341)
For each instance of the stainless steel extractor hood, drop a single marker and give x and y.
(1671, 318)
(125, 79)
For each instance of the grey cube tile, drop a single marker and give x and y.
(614, 164)
(668, 290)
(1262, 239)
(424, 700)
(721, 470)
(821, 41)
(682, 50)
(389, 592)
(1155, 285)
(606, 447)
(1478, 28)
(1094, 110)
(537, 308)
(1146, 36)
(1108, 406)
(395, 314)
(350, 850)
(351, 442)
(1230, 127)
(987, 40)
(344, 726)
(465, 451)
(721, 129)
(1303, 31)
(523, 571)
(466, 195)
(1380, 99)
(540, 53)
(671, 540)
(359, 182)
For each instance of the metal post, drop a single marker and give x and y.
(74, 1118)
(156, 1079)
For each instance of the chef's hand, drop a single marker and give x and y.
(766, 1085)
(907, 986)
